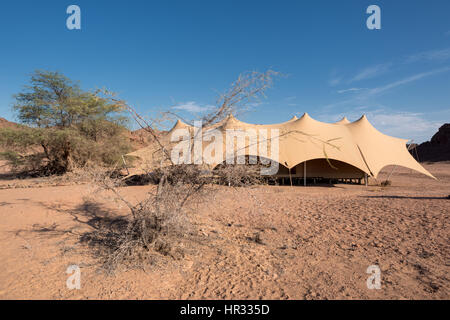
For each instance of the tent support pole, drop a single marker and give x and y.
(365, 179)
(290, 176)
(304, 174)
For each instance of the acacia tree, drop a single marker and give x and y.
(71, 126)
(53, 100)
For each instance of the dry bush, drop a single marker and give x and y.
(159, 223)
(240, 175)
(156, 225)
(385, 183)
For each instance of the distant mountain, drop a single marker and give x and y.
(142, 138)
(7, 124)
(438, 148)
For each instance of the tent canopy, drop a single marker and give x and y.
(355, 144)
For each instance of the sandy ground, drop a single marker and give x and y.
(317, 243)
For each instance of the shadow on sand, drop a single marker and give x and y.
(106, 226)
(408, 197)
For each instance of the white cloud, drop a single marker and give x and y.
(371, 72)
(335, 81)
(348, 102)
(407, 80)
(432, 55)
(406, 125)
(350, 90)
(193, 107)
(365, 97)
(335, 78)
(254, 104)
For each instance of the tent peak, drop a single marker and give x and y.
(179, 124)
(230, 120)
(362, 119)
(231, 117)
(305, 115)
(179, 121)
(344, 120)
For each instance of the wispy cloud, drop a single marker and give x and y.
(439, 55)
(335, 79)
(350, 90)
(363, 95)
(432, 55)
(406, 125)
(290, 101)
(371, 72)
(192, 106)
(407, 80)
(254, 104)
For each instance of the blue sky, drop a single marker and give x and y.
(160, 54)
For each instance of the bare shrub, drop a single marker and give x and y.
(385, 183)
(158, 224)
(239, 175)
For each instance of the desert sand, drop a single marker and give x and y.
(316, 242)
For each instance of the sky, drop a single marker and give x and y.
(181, 54)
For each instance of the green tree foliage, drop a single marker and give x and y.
(64, 126)
(53, 100)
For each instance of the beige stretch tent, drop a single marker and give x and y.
(330, 150)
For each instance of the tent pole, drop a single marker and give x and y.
(290, 176)
(304, 174)
(365, 179)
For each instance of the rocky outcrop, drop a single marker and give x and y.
(7, 124)
(438, 148)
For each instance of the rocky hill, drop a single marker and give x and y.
(7, 124)
(438, 148)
